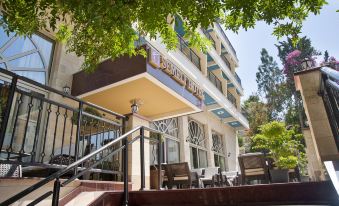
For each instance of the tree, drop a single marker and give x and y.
(256, 112)
(283, 144)
(100, 29)
(291, 56)
(326, 56)
(271, 84)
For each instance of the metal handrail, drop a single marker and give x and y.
(191, 55)
(47, 88)
(226, 38)
(74, 165)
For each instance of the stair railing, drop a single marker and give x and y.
(108, 148)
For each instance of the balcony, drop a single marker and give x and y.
(227, 40)
(188, 52)
(208, 35)
(231, 98)
(237, 78)
(215, 81)
(226, 61)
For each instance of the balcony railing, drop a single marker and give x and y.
(208, 35)
(232, 99)
(226, 61)
(188, 52)
(215, 81)
(330, 94)
(52, 133)
(237, 78)
(227, 40)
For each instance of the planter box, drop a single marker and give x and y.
(279, 175)
(154, 184)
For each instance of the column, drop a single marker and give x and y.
(209, 144)
(184, 145)
(134, 169)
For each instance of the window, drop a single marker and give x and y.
(170, 144)
(218, 149)
(196, 138)
(26, 56)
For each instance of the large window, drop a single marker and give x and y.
(27, 56)
(196, 138)
(218, 149)
(171, 141)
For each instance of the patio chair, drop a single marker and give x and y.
(196, 174)
(10, 170)
(210, 177)
(253, 167)
(178, 175)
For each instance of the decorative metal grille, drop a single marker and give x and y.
(217, 143)
(168, 126)
(196, 133)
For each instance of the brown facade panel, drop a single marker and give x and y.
(108, 72)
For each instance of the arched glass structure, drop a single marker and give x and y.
(27, 56)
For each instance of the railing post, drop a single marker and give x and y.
(8, 110)
(76, 149)
(56, 191)
(159, 162)
(142, 157)
(125, 142)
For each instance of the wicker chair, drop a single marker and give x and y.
(253, 167)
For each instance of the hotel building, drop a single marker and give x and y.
(191, 96)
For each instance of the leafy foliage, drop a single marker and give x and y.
(283, 145)
(256, 112)
(291, 56)
(104, 29)
(271, 85)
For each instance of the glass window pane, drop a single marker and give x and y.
(194, 158)
(36, 76)
(29, 61)
(216, 160)
(19, 46)
(202, 158)
(45, 48)
(4, 38)
(222, 163)
(172, 151)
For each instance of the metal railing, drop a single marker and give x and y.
(237, 78)
(188, 52)
(329, 91)
(44, 127)
(215, 81)
(227, 40)
(110, 150)
(226, 61)
(208, 35)
(231, 98)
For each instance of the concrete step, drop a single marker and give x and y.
(310, 193)
(84, 198)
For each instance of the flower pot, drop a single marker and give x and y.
(279, 175)
(304, 178)
(154, 184)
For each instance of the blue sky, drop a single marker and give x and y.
(323, 30)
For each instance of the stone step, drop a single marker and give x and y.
(84, 198)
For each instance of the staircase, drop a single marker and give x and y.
(310, 193)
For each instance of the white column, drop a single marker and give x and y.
(134, 172)
(209, 144)
(184, 145)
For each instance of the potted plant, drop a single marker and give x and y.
(303, 168)
(282, 146)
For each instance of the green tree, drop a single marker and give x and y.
(256, 112)
(283, 144)
(326, 56)
(100, 29)
(271, 85)
(291, 56)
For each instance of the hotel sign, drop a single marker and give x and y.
(157, 61)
